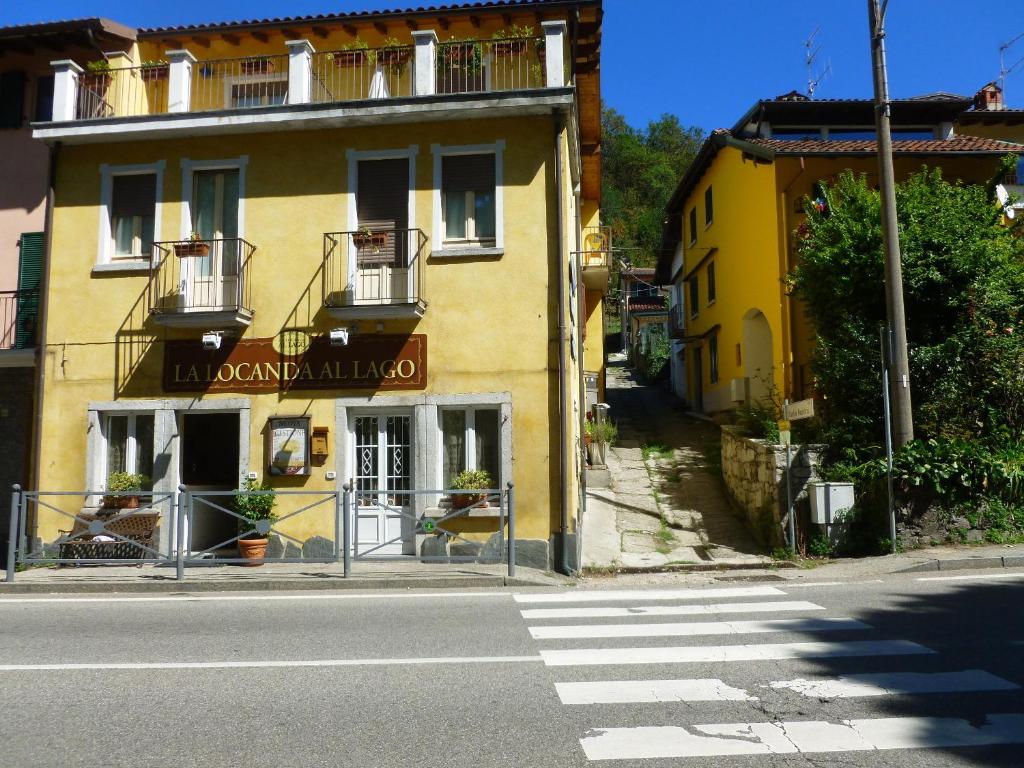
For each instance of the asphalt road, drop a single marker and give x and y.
(928, 669)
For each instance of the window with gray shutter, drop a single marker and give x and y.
(382, 205)
(134, 195)
(467, 173)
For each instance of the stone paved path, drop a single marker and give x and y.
(669, 508)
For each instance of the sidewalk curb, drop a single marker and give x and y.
(688, 568)
(171, 586)
(965, 564)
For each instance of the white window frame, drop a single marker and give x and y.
(188, 169)
(105, 252)
(470, 411)
(440, 244)
(231, 82)
(131, 450)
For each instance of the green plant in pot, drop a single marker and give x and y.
(471, 480)
(255, 506)
(120, 486)
(601, 435)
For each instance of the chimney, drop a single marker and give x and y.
(989, 98)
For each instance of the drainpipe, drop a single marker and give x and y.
(563, 406)
(581, 326)
(44, 303)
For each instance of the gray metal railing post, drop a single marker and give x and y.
(337, 525)
(346, 530)
(12, 542)
(179, 556)
(511, 530)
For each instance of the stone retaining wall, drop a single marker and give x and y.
(754, 475)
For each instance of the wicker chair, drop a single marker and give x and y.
(138, 528)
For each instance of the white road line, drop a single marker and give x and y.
(649, 691)
(896, 683)
(726, 653)
(808, 736)
(597, 596)
(263, 664)
(974, 577)
(685, 629)
(832, 583)
(669, 610)
(245, 598)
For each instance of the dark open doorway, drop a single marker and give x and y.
(209, 462)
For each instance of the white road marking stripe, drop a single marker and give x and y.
(974, 577)
(597, 596)
(808, 736)
(264, 664)
(895, 683)
(682, 629)
(832, 583)
(725, 653)
(245, 598)
(645, 691)
(669, 610)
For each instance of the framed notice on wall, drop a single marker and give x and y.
(288, 445)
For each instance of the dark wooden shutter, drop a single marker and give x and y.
(382, 204)
(134, 195)
(12, 99)
(467, 173)
(44, 99)
(30, 278)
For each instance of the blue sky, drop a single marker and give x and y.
(704, 61)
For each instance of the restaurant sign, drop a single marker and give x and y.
(373, 361)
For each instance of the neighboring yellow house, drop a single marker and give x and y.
(331, 248)
(728, 244)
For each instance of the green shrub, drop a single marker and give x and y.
(254, 504)
(602, 432)
(759, 421)
(472, 479)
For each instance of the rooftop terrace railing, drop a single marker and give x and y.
(428, 67)
(19, 319)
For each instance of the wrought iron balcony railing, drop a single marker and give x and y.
(374, 272)
(198, 278)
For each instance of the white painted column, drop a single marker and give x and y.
(300, 71)
(65, 89)
(554, 51)
(425, 82)
(179, 81)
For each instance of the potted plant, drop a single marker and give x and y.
(194, 246)
(601, 434)
(257, 65)
(394, 54)
(353, 54)
(151, 71)
(97, 75)
(365, 238)
(471, 480)
(512, 42)
(255, 505)
(465, 55)
(122, 484)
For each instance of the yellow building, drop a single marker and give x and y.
(729, 235)
(331, 249)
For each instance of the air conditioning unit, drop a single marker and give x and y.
(739, 389)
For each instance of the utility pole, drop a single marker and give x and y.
(899, 372)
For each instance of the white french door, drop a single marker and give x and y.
(214, 283)
(382, 452)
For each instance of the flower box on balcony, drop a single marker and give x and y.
(508, 48)
(349, 58)
(461, 53)
(370, 239)
(257, 66)
(191, 248)
(152, 73)
(394, 56)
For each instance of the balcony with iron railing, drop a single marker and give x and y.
(19, 322)
(374, 273)
(595, 258)
(202, 283)
(184, 83)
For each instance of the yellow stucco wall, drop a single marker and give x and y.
(491, 323)
(743, 234)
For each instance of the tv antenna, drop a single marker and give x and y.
(812, 50)
(1005, 71)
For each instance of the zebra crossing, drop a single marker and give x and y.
(584, 636)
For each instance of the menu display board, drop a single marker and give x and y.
(288, 445)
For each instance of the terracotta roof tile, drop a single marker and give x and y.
(965, 144)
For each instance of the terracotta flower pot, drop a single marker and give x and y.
(257, 67)
(191, 249)
(464, 500)
(393, 56)
(507, 48)
(349, 58)
(252, 549)
(157, 72)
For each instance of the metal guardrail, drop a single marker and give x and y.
(123, 91)
(201, 275)
(373, 266)
(473, 66)
(251, 81)
(19, 318)
(130, 535)
(362, 73)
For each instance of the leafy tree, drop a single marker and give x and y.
(640, 170)
(963, 272)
